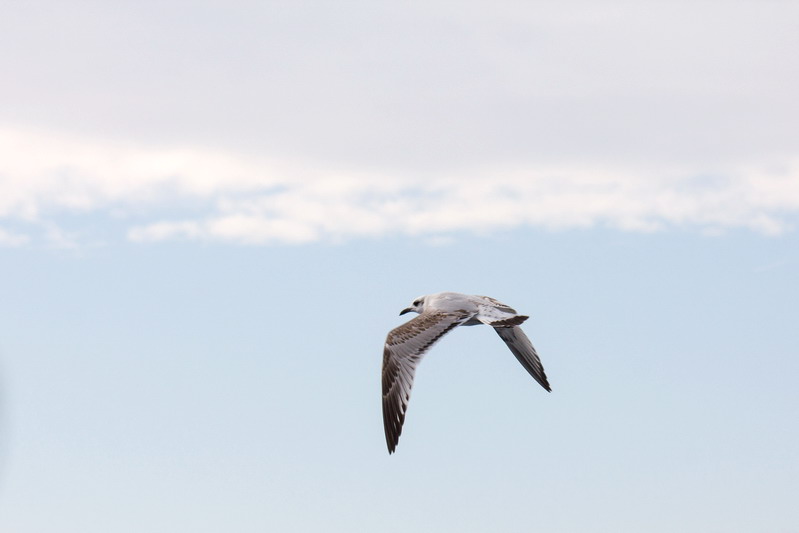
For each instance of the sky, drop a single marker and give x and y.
(211, 214)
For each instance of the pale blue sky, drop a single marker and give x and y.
(211, 215)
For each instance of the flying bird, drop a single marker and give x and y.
(439, 314)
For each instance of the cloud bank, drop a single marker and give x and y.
(303, 122)
(48, 181)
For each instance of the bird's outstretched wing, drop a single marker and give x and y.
(405, 346)
(523, 349)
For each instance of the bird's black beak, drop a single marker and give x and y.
(406, 310)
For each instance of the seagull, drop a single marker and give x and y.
(439, 314)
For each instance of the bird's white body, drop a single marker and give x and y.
(486, 310)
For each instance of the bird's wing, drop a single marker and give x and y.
(523, 349)
(405, 346)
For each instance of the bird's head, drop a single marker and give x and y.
(417, 306)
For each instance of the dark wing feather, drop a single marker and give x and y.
(404, 348)
(523, 349)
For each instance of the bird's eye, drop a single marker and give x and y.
(417, 302)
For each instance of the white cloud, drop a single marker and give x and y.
(413, 85)
(8, 238)
(197, 194)
(314, 123)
